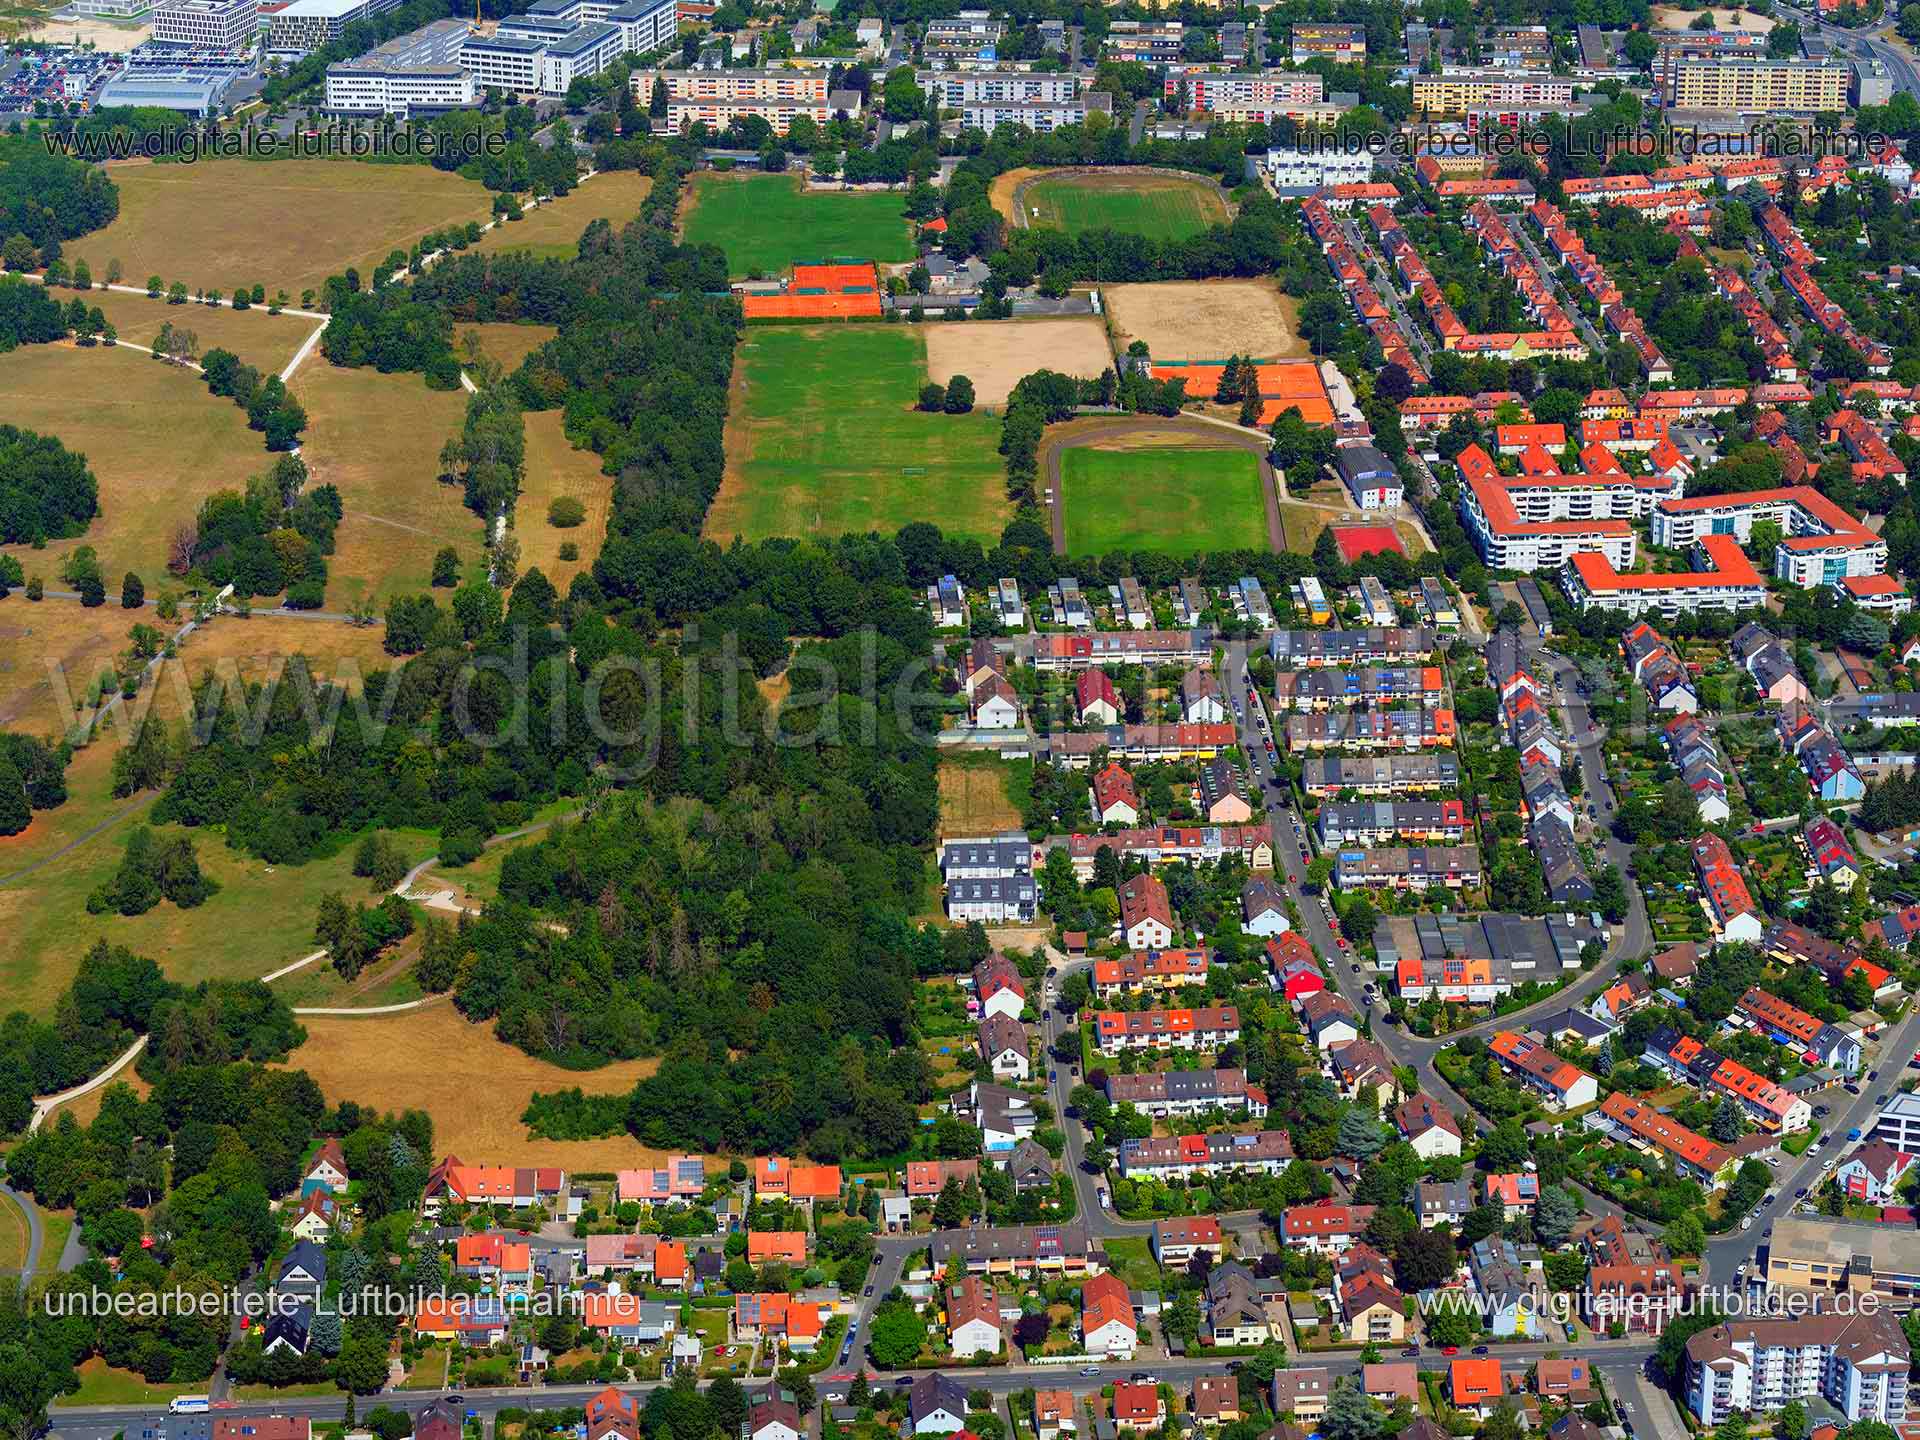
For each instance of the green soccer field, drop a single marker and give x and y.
(826, 441)
(1175, 500)
(766, 222)
(1159, 207)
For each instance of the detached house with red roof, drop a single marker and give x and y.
(1564, 1085)
(1146, 914)
(1329, 1228)
(1106, 1318)
(1724, 892)
(329, 1166)
(1873, 1172)
(776, 1175)
(1095, 699)
(1116, 801)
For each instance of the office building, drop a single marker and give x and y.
(208, 24)
(305, 25)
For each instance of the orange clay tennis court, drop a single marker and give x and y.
(1284, 385)
(821, 292)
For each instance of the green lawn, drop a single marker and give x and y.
(827, 441)
(766, 222)
(1157, 206)
(1175, 500)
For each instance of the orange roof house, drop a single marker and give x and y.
(776, 1175)
(788, 1246)
(1474, 1382)
(670, 1262)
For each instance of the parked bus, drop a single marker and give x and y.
(188, 1405)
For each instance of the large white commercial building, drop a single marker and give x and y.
(209, 24)
(503, 62)
(305, 25)
(645, 25)
(372, 87)
(416, 72)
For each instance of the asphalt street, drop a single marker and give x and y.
(101, 1422)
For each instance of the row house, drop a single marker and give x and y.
(1730, 905)
(1828, 766)
(1693, 1156)
(1351, 279)
(1162, 845)
(1364, 822)
(1413, 728)
(680, 1181)
(1457, 979)
(453, 1182)
(1564, 1085)
(1652, 662)
(1145, 744)
(1424, 773)
(1379, 645)
(1144, 970)
(1790, 1025)
(1208, 1027)
(1324, 1228)
(1409, 868)
(1771, 1107)
(1796, 945)
(1018, 1250)
(1071, 652)
(1333, 689)
(1178, 1240)
(1165, 1093)
(1691, 747)
(1266, 1152)
(1774, 672)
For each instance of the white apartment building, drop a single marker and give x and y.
(1313, 169)
(957, 88)
(214, 24)
(1823, 544)
(1282, 93)
(1857, 1362)
(1039, 116)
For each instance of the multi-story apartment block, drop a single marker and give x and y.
(716, 98)
(1821, 543)
(1460, 91)
(1283, 92)
(1040, 116)
(1343, 44)
(1151, 42)
(968, 40)
(1755, 86)
(957, 88)
(1857, 1362)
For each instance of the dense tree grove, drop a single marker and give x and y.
(271, 540)
(28, 314)
(49, 198)
(46, 490)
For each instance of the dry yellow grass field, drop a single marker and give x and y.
(266, 342)
(554, 228)
(284, 224)
(1206, 319)
(156, 441)
(87, 1108)
(474, 1086)
(263, 916)
(556, 469)
(378, 438)
(505, 345)
(974, 800)
(995, 354)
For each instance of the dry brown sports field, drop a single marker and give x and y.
(282, 223)
(994, 354)
(474, 1086)
(1206, 319)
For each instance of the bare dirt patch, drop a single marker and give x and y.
(474, 1086)
(1670, 17)
(1004, 186)
(1206, 319)
(995, 354)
